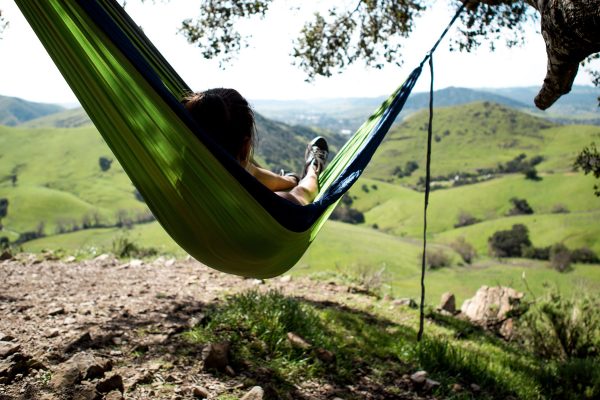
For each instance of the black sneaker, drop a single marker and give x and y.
(316, 155)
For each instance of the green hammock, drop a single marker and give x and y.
(206, 202)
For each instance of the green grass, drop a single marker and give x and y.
(374, 344)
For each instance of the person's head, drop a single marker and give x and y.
(227, 117)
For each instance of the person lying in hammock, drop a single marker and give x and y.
(228, 118)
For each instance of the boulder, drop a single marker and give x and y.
(448, 303)
(256, 393)
(490, 308)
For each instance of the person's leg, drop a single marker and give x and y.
(308, 187)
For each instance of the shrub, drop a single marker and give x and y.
(464, 249)
(559, 209)
(520, 207)
(531, 174)
(536, 253)
(437, 258)
(584, 255)
(560, 257)
(3, 207)
(123, 247)
(465, 219)
(4, 243)
(509, 243)
(559, 328)
(105, 163)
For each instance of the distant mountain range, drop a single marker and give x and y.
(15, 111)
(346, 115)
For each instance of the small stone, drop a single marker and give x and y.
(325, 355)
(419, 377)
(136, 263)
(448, 303)
(430, 384)
(69, 321)
(114, 395)
(70, 259)
(65, 376)
(111, 383)
(56, 311)
(258, 282)
(51, 333)
(229, 371)
(405, 302)
(457, 387)
(297, 341)
(6, 338)
(216, 356)
(81, 342)
(200, 392)
(475, 387)
(102, 257)
(285, 279)
(8, 348)
(256, 393)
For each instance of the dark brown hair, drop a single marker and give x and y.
(227, 118)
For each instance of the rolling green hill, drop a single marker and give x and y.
(14, 111)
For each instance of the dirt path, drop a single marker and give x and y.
(99, 315)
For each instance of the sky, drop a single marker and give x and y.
(264, 70)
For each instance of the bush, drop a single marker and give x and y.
(585, 256)
(105, 163)
(560, 329)
(465, 219)
(520, 207)
(531, 174)
(4, 243)
(509, 243)
(536, 253)
(560, 257)
(437, 258)
(559, 209)
(3, 207)
(124, 248)
(464, 249)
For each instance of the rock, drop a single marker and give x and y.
(51, 333)
(216, 356)
(86, 391)
(8, 348)
(285, 279)
(430, 384)
(200, 392)
(490, 307)
(91, 367)
(114, 395)
(82, 342)
(457, 387)
(475, 387)
(230, 371)
(13, 365)
(70, 259)
(257, 282)
(406, 302)
(136, 263)
(419, 377)
(297, 341)
(325, 355)
(6, 338)
(256, 393)
(448, 303)
(56, 311)
(111, 383)
(65, 376)
(102, 258)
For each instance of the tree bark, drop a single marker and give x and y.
(571, 30)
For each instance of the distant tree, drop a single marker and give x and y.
(3, 207)
(464, 249)
(465, 219)
(105, 163)
(532, 174)
(509, 243)
(520, 207)
(589, 161)
(585, 255)
(560, 257)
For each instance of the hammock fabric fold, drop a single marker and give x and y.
(203, 198)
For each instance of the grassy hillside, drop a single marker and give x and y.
(14, 111)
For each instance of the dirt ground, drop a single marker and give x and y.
(110, 329)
